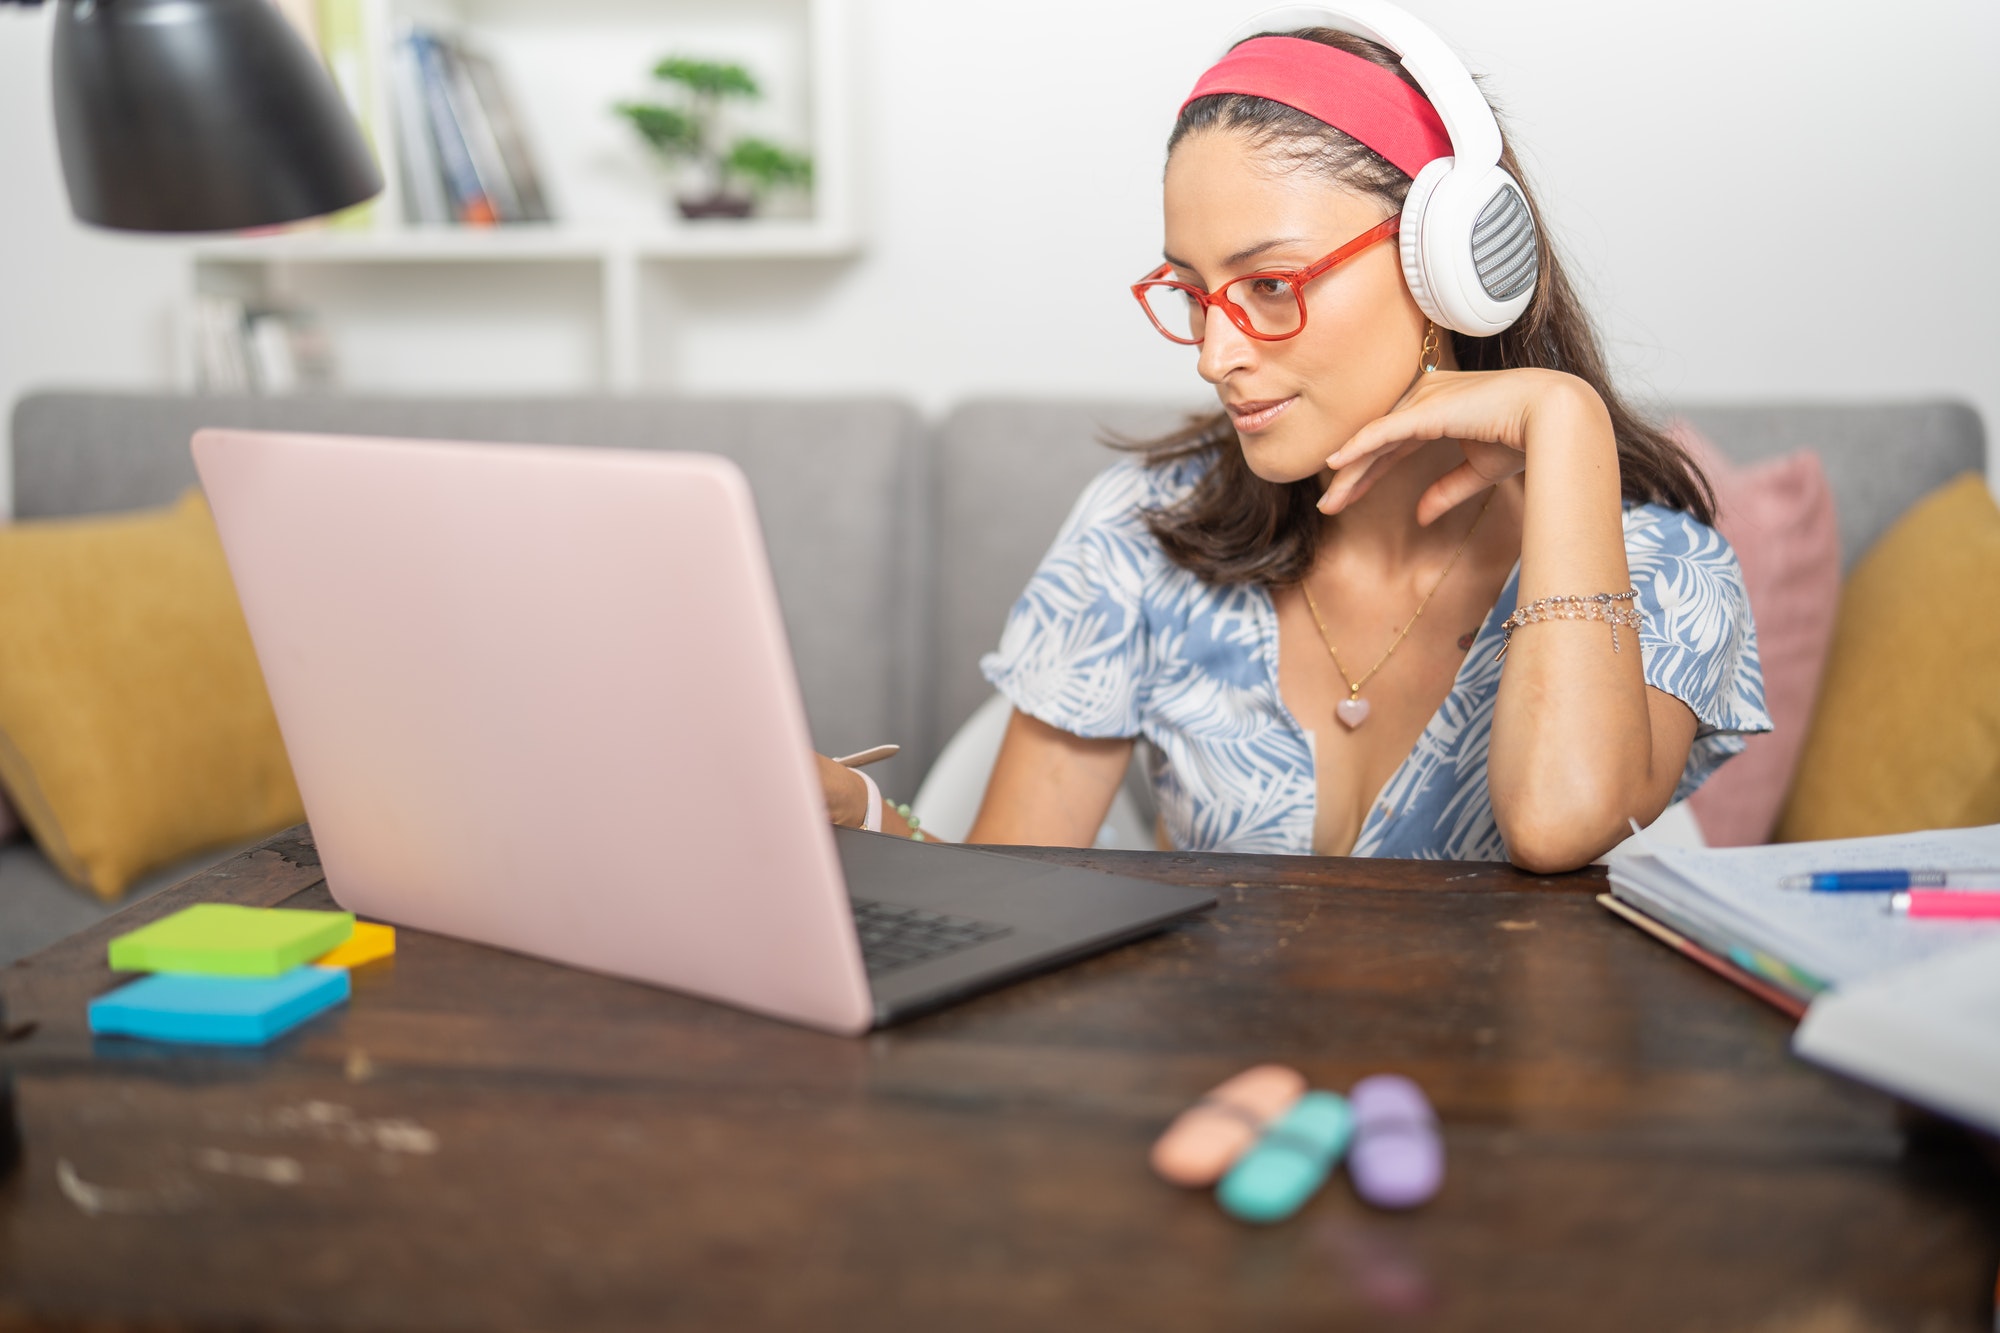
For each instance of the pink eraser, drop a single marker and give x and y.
(1397, 1158)
(1206, 1139)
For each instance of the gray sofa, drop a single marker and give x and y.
(897, 545)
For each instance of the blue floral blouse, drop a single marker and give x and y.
(1112, 639)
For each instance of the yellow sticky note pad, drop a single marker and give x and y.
(368, 943)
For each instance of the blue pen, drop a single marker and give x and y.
(1890, 881)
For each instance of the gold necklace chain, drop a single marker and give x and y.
(1352, 712)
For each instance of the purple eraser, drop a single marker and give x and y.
(1397, 1158)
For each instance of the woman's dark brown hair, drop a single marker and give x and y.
(1235, 527)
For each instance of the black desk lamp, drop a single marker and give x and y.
(199, 115)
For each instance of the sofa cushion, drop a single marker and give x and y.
(134, 726)
(1778, 515)
(1907, 732)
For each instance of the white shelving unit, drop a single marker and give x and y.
(565, 61)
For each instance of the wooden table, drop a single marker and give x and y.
(480, 1140)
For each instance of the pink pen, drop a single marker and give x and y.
(1962, 904)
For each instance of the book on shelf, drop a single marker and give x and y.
(516, 160)
(466, 200)
(257, 350)
(422, 175)
(465, 156)
(477, 131)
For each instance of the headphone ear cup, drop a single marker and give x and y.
(1477, 249)
(1410, 237)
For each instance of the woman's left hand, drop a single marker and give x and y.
(1493, 414)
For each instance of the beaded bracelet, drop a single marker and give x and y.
(910, 818)
(1598, 606)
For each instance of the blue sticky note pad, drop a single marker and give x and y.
(217, 1011)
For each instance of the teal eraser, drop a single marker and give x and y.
(1290, 1161)
(217, 1011)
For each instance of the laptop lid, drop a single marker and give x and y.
(541, 698)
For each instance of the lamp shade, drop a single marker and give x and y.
(200, 115)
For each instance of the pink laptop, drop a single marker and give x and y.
(541, 698)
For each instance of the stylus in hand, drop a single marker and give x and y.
(874, 754)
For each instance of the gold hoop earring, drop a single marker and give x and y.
(1432, 349)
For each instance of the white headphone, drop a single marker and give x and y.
(1468, 239)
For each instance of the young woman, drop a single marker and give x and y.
(1303, 602)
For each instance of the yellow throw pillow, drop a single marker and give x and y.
(134, 724)
(1906, 734)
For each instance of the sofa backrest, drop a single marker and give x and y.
(1880, 458)
(1007, 474)
(897, 550)
(840, 485)
(1008, 471)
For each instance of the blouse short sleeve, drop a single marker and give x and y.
(1074, 650)
(1699, 642)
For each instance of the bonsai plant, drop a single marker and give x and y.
(727, 182)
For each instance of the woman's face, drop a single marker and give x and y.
(1231, 211)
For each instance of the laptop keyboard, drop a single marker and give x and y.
(893, 936)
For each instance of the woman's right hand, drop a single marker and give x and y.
(846, 793)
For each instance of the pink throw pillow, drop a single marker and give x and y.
(1779, 516)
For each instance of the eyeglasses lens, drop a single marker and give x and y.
(1178, 314)
(1270, 305)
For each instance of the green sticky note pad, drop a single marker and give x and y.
(216, 939)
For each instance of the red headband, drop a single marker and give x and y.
(1356, 96)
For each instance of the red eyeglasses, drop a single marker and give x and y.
(1269, 305)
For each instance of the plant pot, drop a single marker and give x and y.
(715, 206)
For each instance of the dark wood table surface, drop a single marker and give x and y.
(479, 1140)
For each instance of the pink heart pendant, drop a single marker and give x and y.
(1351, 712)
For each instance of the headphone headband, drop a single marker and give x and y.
(1475, 136)
(1356, 96)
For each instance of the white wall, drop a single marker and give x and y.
(1764, 198)
(75, 307)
